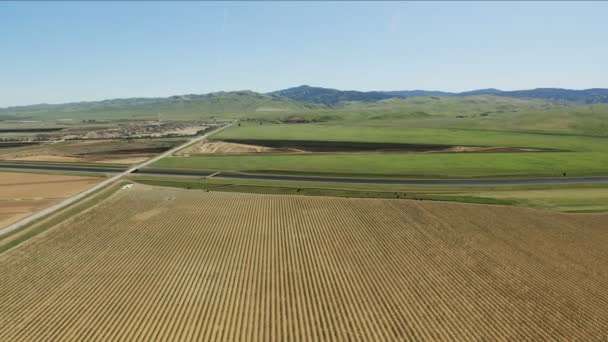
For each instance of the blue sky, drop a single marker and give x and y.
(73, 51)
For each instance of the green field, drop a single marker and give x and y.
(577, 198)
(578, 156)
(576, 135)
(336, 132)
(443, 165)
(578, 132)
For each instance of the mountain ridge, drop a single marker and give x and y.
(309, 96)
(330, 96)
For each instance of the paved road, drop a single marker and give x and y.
(56, 167)
(396, 181)
(27, 220)
(237, 175)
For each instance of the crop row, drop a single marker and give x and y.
(167, 264)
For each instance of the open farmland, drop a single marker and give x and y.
(404, 152)
(24, 193)
(390, 164)
(110, 151)
(167, 264)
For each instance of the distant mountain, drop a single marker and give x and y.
(588, 96)
(488, 91)
(596, 95)
(329, 96)
(288, 100)
(415, 93)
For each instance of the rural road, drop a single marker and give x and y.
(29, 219)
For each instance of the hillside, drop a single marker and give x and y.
(307, 103)
(333, 97)
(329, 96)
(587, 96)
(175, 107)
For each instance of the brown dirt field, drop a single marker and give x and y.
(48, 158)
(126, 160)
(12, 211)
(100, 159)
(91, 151)
(25, 193)
(169, 264)
(221, 147)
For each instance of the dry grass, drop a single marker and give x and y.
(169, 264)
(221, 147)
(24, 193)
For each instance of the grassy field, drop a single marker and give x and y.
(582, 200)
(488, 113)
(436, 165)
(578, 154)
(413, 136)
(563, 197)
(316, 189)
(168, 264)
(578, 131)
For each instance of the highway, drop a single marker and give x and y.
(57, 167)
(395, 181)
(141, 169)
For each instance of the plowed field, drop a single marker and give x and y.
(168, 264)
(24, 193)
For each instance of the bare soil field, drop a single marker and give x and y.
(118, 151)
(93, 129)
(146, 129)
(12, 211)
(222, 147)
(155, 263)
(24, 193)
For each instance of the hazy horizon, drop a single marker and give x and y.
(158, 49)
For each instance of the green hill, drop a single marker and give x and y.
(225, 105)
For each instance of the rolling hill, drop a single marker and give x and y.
(329, 96)
(190, 106)
(306, 100)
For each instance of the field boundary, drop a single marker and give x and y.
(16, 237)
(379, 179)
(324, 192)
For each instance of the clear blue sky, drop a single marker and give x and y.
(72, 51)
